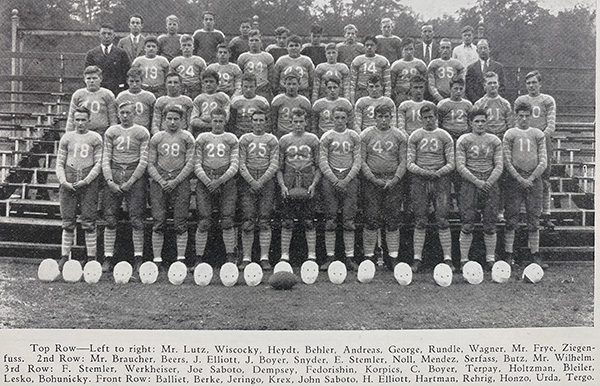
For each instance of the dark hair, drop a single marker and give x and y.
(294, 39)
(137, 15)
(371, 38)
(218, 111)
(298, 112)
(174, 109)
(523, 106)
(477, 112)
(457, 79)
(382, 109)
(427, 108)
(406, 41)
(374, 79)
(134, 72)
(151, 39)
(249, 77)
(316, 29)
(417, 79)
(83, 110)
(210, 74)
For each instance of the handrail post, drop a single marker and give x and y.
(14, 46)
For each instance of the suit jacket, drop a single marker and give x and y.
(435, 51)
(114, 67)
(474, 80)
(133, 51)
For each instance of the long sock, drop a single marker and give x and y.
(138, 242)
(311, 241)
(264, 238)
(392, 238)
(110, 235)
(67, 242)
(534, 241)
(247, 241)
(158, 240)
(509, 240)
(229, 240)
(91, 243)
(490, 246)
(182, 240)
(546, 199)
(446, 241)
(330, 243)
(349, 243)
(465, 241)
(369, 241)
(418, 242)
(201, 237)
(286, 240)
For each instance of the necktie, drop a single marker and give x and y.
(485, 67)
(105, 50)
(427, 53)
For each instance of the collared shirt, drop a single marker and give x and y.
(466, 54)
(485, 64)
(106, 48)
(134, 39)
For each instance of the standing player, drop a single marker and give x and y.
(189, 67)
(170, 163)
(409, 112)
(230, 74)
(403, 69)
(216, 163)
(500, 116)
(323, 109)
(315, 50)
(205, 103)
(243, 106)
(453, 112)
(365, 107)
(326, 71)
(430, 159)
(277, 50)
(154, 68)
(294, 62)
(298, 176)
(259, 63)
(349, 48)
(525, 161)
(443, 69)
(208, 38)
(168, 44)
(283, 104)
(383, 152)
(239, 44)
(259, 161)
(479, 160)
(543, 117)
(388, 44)
(142, 99)
(77, 167)
(123, 164)
(173, 98)
(340, 162)
(364, 67)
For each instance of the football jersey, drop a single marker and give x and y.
(364, 111)
(258, 64)
(101, 103)
(298, 152)
(499, 114)
(124, 146)
(216, 151)
(326, 71)
(169, 46)
(79, 151)
(364, 67)
(284, 105)
(204, 104)
(409, 115)
(302, 65)
(153, 70)
(340, 152)
(390, 47)
(188, 68)
(525, 150)
(184, 102)
(315, 53)
(480, 154)
(323, 113)
(430, 150)
(144, 103)
(206, 42)
(440, 73)
(230, 77)
(259, 152)
(543, 113)
(237, 46)
(383, 151)
(347, 52)
(401, 72)
(276, 51)
(453, 116)
(243, 108)
(171, 152)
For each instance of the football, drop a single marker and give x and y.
(283, 280)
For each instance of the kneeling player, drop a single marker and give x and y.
(340, 163)
(170, 163)
(298, 177)
(479, 162)
(77, 168)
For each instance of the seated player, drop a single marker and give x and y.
(244, 106)
(388, 44)
(260, 63)
(364, 67)
(331, 69)
(77, 167)
(441, 70)
(142, 99)
(298, 176)
(230, 74)
(479, 161)
(383, 149)
(154, 68)
(409, 111)
(216, 164)
(173, 98)
(189, 67)
(403, 69)
(323, 108)
(340, 162)
(283, 104)
(259, 161)
(170, 163)
(364, 110)
(430, 159)
(525, 161)
(294, 62)
(205, 103)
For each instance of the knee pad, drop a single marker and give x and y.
(264, 224)
(489, 229)
(203, 225)
(248, 226)
(330, 225)
(421, 223)
(227, 223)
(309, 224)
(287, 224)
(349, 225)
(111, 222)
(467, 228)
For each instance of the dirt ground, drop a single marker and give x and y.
(563, 298)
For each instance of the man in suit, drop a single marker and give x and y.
(111, 59)
(474, 78)
(427, 50)
(133, 43)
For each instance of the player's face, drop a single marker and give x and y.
(370, 48)
(427, 33)
(331, 56)
(173, 86)
(315, 39)
(491, 86)
(479, 124)
(533, 86)
(340, 121)
(173, 121)
(244, 29)
(151, 49)
(429, 120)
(408, 52)
(467, 37)
(209, 85)
(374, 89)
(299, 124)
(523, 119)
(81, 121)
(456, 91)
(382, 120)
(333, 90)
(386, 29)
(92, 81)
(172, 26)
(135, 25)
(126, 115)
(259, 123)
(281, 40)
(209, 22)
(217, 124)
(350, 36)
(417, 91)
(248, 89)
(291, 86)
(445, 51)
(187, 48)
(484, 51)
(223, 55)
(134, 83)
(254, 43)
(107, 36)
(293, 49)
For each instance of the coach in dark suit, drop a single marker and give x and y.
(112, 60)
(474, 78)
(427, 50)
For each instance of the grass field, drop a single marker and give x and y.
(563, 298)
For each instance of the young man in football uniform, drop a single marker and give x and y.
(388, 44)
(403, 70)
(349, 48)
(77, 167)
(364, 67)
(328, 70)
(315, 50)
(409, 111)
(243, 106)
(443, 69)
(173, 98)
(479, 161)
(259, 161)
(189, 67)
(168, 44)
(430, 159)
(124, 163)
(205, 103)
(525, 161)
(383, 158)
(340, 162)
(277, 50)
(170, 163)
(142, 99)
(216, 164)
(230, 74)
(323, 108)
(364, 110)
(283, 104)
(260, 63)
(294, 62)
(500, 114)
(298, 176)
(154, 68)
(239, 44)
(207, 39)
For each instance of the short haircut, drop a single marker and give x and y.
(254, 32)
(298, 112)
(83, 110)
(248, 77)
(246, 21)
(210, 74)
(138, 16)
(386, 20)
(291, 75)
(457, 79)
(489, 75)
(482, 42)
(523, 106)
(218, 111)
(339, 108)
(172, 18)
(294, 39)
(374, 79)
(333, 79)
(173, 75)
(316, 29)
(445, 41)
(223, 46)
(208, 13)
(261, 112)
(382, 109)
(185, 38)
(126, 104)
(151, 39)
(477, 112)
(406, 42)
(466, 28)
(348, 27)
(281, 31)
(417, 79)
(174, 109)
(92, 70)
(427, 25)
(331, 47)
(107, 26)
(371, 38)
(534, 74)
(135, 72)
(428, 108)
